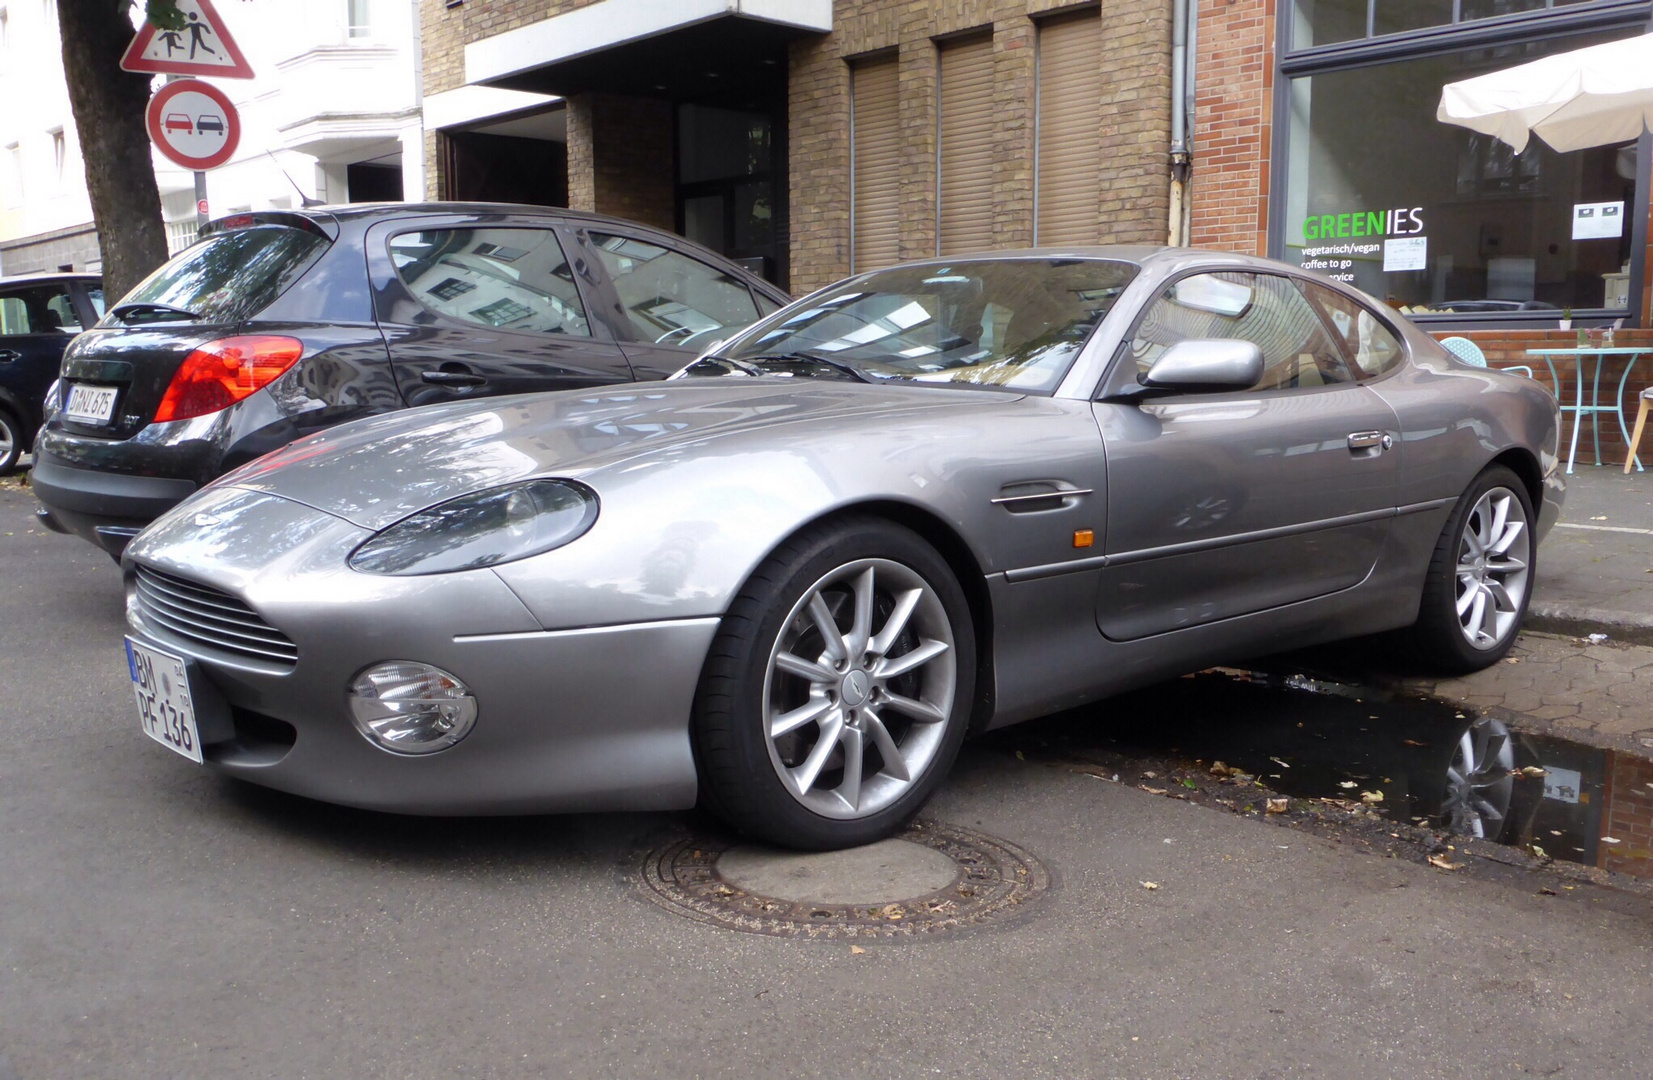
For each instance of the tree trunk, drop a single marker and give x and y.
(109, 115)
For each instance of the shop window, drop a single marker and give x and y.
(726, 172)
(671, 298)
(1436, 218)
(1264, 309)
(507, 279)
(1069, 153)
(875, 165)
(1327, 22)
(964, 147)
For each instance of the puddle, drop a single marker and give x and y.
(1432, 764)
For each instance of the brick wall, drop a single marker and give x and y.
(1628, 816)
(1233, 125)
(1134, 115)
(620, 157)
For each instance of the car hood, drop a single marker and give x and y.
(375, 472)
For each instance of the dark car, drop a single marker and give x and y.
(275, 325)
(39, 314)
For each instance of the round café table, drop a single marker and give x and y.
(1595, 408)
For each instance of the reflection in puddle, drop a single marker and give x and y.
(1412, 759)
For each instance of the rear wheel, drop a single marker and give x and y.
(11, 443)
(1480, 578)
(838, 690)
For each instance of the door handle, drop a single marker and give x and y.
(452, 378)
(9, 355)
(1368, 440)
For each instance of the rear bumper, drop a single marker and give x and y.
(104, 508)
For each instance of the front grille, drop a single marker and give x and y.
(201, 615)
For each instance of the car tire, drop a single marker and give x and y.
(11, 443)
(1480, 577)
(838, 690)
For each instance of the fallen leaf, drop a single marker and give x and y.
(1020, 756)
(1187, 783)
(1611, 840)
(1533, 772)
(1444, 863)
(1536, 850)
(1511, 660)
(1282, 764)
(1150, 885)
(1150, 776)
(1152, 790)
(1346, 784)
(856, 950)
(1219, 768)
(1371, 798)
(1546, 892)
(1277, 806)
(1412, 742)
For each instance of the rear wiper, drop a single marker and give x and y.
(832, 362)
(120, 311)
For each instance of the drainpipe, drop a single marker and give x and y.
(1181, 155)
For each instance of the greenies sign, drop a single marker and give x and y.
(1397, 222)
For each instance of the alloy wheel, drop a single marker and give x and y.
(859, 688)
(1492, 568)
(1480, 780)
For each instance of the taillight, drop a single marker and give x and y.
(221, 373)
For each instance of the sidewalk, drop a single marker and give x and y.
(1595, 569)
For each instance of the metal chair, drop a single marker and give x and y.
(1470, 353)
(1641, 426)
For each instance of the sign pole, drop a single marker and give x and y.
(201, 215)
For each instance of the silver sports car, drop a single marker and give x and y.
(923, 502)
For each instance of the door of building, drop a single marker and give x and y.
(731, 184)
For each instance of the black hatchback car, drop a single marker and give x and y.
(39, 314)
(275, 325)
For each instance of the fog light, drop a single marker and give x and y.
(411, 708)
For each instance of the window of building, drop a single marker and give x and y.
(965, 123)
(1265, 309)
(358, 16)
(875, 165)
(1327, 22)
(1068, 162)
(180, 235)
(726, 173)
(60, 150)
(510, 279)
(671, 298)
(5, 36)
(1435, 218)
(12, 180)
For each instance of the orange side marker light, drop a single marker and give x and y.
(1083, 538)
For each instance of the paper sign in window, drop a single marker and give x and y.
(1598, 221)
(1405, 253)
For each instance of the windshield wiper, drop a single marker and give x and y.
(842, 366)
(120, 311)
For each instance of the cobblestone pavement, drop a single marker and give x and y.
(1595, 693)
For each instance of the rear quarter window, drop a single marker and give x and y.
(231, 276)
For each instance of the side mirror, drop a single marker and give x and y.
(1206, 365)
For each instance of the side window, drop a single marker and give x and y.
(671, 298)
(1371, 344)
(509, 279)
(1261, 308)
(95, 294)
(60, 310)
(14, 316)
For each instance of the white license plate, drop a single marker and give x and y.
(90, 404)
(165, 709)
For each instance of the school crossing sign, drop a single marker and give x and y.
(201, 46)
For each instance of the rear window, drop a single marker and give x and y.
(229, 276)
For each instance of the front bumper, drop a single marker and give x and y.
(568, 720)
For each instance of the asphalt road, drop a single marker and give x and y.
(156, 921)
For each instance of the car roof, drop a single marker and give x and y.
(352, 211)
(46, 277)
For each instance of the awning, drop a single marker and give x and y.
(671, 48)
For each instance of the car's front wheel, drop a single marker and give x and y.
(11, 443)
(838, 690)
(1480, 577)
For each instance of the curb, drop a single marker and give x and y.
(1576, 620)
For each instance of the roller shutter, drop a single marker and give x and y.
(1070, 93)
(876, 149)
(965, 155)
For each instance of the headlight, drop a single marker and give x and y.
(411, 708)
(482, 529)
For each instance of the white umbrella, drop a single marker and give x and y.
(1594, 96)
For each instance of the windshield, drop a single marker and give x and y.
(227, 277)
(1015, 323)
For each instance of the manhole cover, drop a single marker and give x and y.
(931, 877)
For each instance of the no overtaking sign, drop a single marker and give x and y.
(193, 124)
